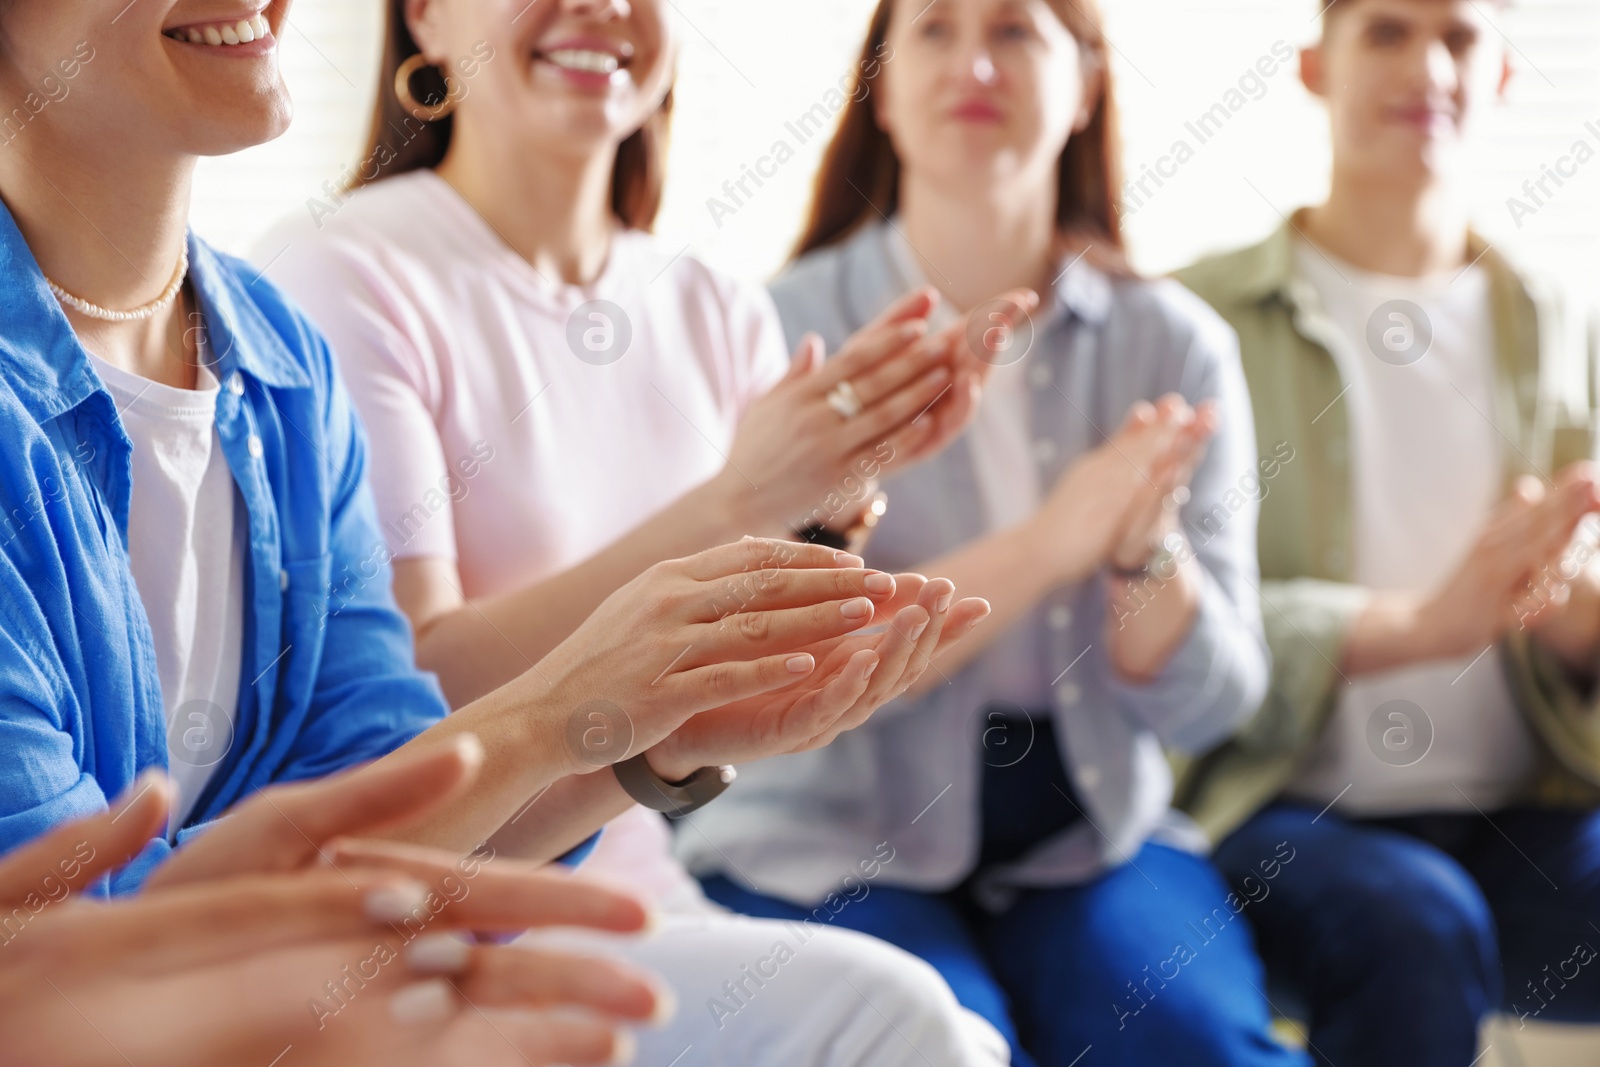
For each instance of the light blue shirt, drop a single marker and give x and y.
(796, 825)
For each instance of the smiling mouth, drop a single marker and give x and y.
(222, 34)
(585, 60)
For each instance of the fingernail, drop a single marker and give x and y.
(880, 583)
(916, 631)
(942, 605)
(626, 1048)
(666, 1006)
(393, 903)
(871, 669)
(423, 1002)
(859, 608)
(847, 559)
(438, 954)
(747, 537)
(798, 664)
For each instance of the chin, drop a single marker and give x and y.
(213, 134)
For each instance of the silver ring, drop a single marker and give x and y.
(843, 400)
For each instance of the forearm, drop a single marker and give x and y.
(1389, 632)
(562, 817)
(1002, 568)
(482, 644)
(524, 754)
(1148, 618)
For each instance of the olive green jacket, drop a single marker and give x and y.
(1546, 413)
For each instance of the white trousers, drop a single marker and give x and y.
(765, 993)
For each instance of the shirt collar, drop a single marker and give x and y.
(49, 371)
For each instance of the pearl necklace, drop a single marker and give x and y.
(143, 311)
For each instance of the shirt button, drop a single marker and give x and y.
(252, 445)
(1044, 450)
(1068, 693)
(236, 384)
(283, 579)
(1089, 777)
(1060, 617)
(1039, 375)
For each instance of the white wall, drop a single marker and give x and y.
(751, 66)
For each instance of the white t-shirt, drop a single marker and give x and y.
(1000, 442)
(520, 425)
(1426, 472)
(187, 555)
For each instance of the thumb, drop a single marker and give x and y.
(79, 852)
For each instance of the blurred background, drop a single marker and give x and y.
(751, 67)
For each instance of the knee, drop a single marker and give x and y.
(894, 989)
(1425, 918)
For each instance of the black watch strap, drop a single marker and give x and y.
(671, 798)
(818, 534)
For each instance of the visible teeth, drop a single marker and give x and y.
(581, 59)
(244, 31)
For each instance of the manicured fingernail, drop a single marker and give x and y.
(798, 664)
(879, 583)
(423, 1002)
(438, 954)
(916, 631)
(666, 1006)
(626, 1048)
(942, 605)
(393, 903)
(859, 608)
(848, 559)
(747, 537)
(871, 669)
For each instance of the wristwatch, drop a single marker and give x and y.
(1162, 562)
(855, 538)
(677, 799)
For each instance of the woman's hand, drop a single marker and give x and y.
(1103, 502)
(796, 459)
(727, 625)
(855, 676)
(1153, 513)
(347, 961)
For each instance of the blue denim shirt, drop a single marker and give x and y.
(328, 677)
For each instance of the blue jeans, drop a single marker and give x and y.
(1397, 936)
(1083, 975)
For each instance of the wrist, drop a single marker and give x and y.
(727, 505)
(668, 765)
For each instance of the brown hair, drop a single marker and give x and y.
(398, 141)
(860, 175)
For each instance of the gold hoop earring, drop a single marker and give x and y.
(419, 110)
